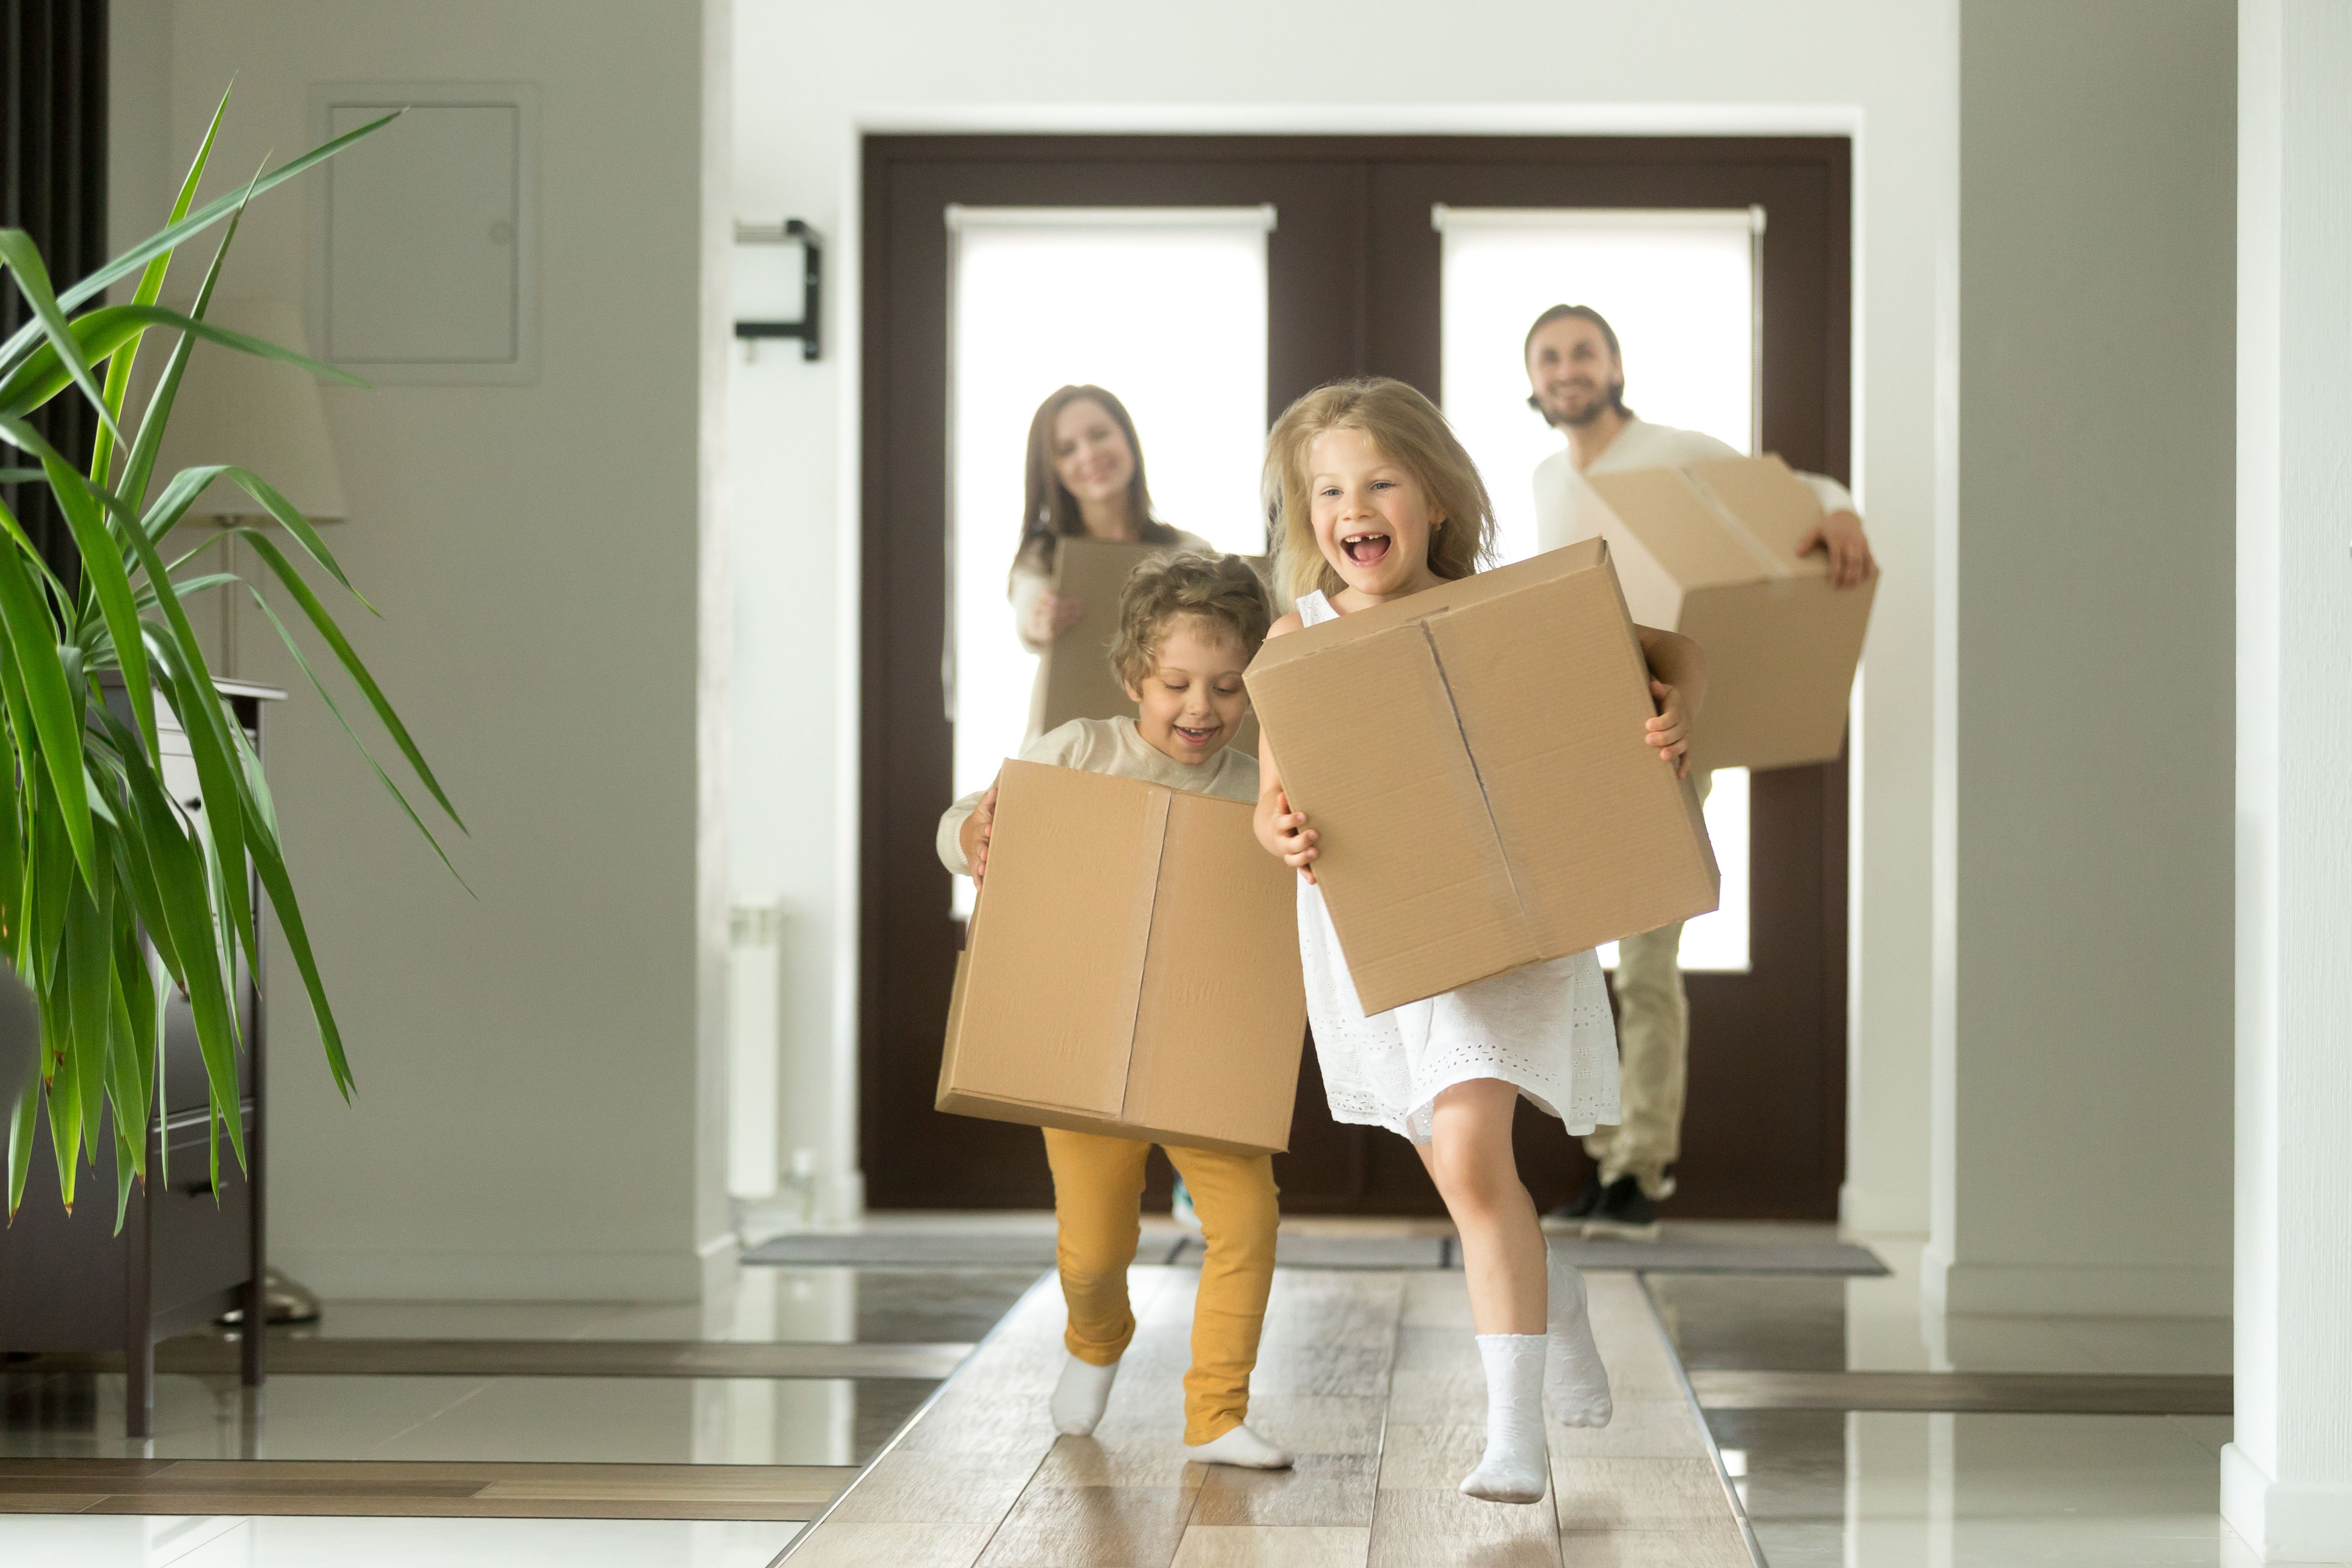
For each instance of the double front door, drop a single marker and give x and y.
(1208, 281)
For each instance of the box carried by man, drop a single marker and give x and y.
(1472, 760)
(1132, 968)
(1710, 549)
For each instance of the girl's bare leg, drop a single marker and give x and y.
(1469, 1156)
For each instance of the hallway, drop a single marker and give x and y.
(581, 1434)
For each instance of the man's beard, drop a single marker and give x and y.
(1583, 414)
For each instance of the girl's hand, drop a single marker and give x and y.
(1052, 615)
(1839, 536)
(973, 836)
(1292, 839)
(1670, 730)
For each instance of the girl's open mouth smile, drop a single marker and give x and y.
(1365, 549)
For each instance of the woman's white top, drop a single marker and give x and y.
(1545, 1029)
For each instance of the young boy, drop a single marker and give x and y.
(1189, 626)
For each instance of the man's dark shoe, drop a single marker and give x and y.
(1584, 1205)
(1625, 1210)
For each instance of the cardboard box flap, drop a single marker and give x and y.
(1094, 843)
(1735, 520)
(1460, 593)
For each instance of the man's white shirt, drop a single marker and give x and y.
(1567, 510)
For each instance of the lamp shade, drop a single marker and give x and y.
(257, 413)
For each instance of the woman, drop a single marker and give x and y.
(1084, 482)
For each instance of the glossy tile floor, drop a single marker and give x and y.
(1854, 1489)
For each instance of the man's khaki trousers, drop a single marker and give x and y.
(1653, 1058)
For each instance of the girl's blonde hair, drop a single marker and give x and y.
(1408, 428)
(1220, 593)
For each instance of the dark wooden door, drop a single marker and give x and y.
(1353, 289)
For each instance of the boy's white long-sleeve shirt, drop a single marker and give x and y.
(1117, 747)
(1567, 512)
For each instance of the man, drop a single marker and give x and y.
(1577, 380)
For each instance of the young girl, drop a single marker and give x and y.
(1376, 499)
(1188, 628)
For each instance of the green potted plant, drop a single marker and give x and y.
(112, 892)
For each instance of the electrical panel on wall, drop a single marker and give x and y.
(424, 264)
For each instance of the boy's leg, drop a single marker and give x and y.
(1098, 1212)
(1236, 1196)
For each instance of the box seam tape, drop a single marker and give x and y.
(1734, 525)
(1531, 926)
(1138, 942)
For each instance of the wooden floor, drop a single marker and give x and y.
(206, 1353)
(1372, 1378)
(418, 1489)
(2030, 1393)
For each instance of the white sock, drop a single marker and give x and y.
(1239, 1447)
(1574, 1379)
(1080, 1395)
(1514, 1469)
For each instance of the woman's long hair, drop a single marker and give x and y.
(1049, 512)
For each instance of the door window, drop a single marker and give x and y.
(1166, 308)
(1679, 287)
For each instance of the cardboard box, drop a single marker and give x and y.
(1710, 550)
(1078, 681)
(1132, 968)
(1474, 760)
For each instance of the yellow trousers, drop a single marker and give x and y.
(1097, 1206)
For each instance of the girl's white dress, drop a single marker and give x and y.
(1546, 1029)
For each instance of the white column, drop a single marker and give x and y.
(2286, 1482)
(2081, 1158)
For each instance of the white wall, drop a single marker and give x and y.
(808, 78)
(2084, 1164)
(2287, 1480)
(536, 1066)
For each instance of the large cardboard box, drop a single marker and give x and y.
(1472, 758)
(1078, 681)
(1132, 968)
(1710, 550)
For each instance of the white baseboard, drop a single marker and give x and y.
(2071, 1290)
(2286, 1522)
(356, 1274)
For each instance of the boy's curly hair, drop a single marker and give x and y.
(1222, 592)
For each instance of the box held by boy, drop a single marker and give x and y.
(1710, 549)
(1079, 681)
(1472, 760)
(1132, 968)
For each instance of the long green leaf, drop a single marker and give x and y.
(141, 464)
(23, 1123)
(275, 560)
(149, 289)
(170, 238)
(89, 989)
(101, 562)
(19, 255)
(304, 663)
(56, 718)
(103, 332)
(207, 726)
(296, 524)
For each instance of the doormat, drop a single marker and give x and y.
(950, 1248)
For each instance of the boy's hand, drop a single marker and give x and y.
(973, 836)
(1670, 730)
(1051, 616)
(1840, 537)
(1293, 839)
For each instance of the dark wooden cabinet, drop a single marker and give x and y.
(186, 1252)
